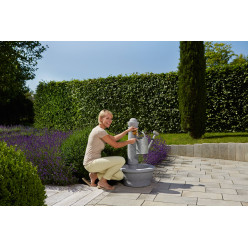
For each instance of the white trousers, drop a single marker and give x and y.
(107, 167)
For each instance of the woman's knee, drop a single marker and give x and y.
(121, 160)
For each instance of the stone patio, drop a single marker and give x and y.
(183, 181)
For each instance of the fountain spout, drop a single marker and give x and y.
(155, 133)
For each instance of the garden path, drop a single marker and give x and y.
(185, 181)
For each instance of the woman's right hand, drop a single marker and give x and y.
(132, 141)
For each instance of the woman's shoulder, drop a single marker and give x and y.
(99, 130)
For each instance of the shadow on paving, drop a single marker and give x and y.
(155, 188)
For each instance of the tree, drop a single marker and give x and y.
(217, 54)
(18, 61)
(241, 59)
(192, 89)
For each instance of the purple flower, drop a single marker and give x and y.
(157, 153)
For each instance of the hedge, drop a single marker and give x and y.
(151, 98)
(75, 104)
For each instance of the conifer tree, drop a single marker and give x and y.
(192, 89)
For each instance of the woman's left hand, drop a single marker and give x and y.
(131, 129)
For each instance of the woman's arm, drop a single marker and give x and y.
(120, 135)
(112, 142)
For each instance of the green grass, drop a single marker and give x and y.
(185, 139)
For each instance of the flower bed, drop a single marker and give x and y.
(42, 148)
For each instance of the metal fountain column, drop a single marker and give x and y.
(133, 158)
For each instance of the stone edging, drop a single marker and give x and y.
(227, 151)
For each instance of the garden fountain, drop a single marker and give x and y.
(137, 174)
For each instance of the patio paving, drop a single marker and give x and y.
(184, 181)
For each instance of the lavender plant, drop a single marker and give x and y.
(158, 151)
(42, 148)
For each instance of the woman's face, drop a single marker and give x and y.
(107, 120)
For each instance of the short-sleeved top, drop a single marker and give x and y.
(95, 145)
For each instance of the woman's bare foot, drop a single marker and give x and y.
(93, 177)
(104, 184)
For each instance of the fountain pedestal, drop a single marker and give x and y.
(135, 174)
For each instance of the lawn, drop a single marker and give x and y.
(185, 139)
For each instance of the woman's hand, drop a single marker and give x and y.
(131, 129)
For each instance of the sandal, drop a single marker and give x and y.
(87, 182)
(101, 187)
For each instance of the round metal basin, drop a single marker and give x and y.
(139, 175)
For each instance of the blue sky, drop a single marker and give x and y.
(66, 60)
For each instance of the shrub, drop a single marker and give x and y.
(20, 184)
(73, 150)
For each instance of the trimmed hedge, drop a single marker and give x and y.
(151, 98)
(227, 98)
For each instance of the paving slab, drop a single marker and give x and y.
(242, 191)
(146, 197)
(59, 196)
(233, 186)
(212, 202)
(238, 176)
(203, 195)
(221, 191)
(72, 199)
(207, 180)
(240, 198)
(161, 197)
(188, 179)
(85, 200)
(97, 199)
(240, 181)
(49, 193)
(132, 196)
(157, 203)
(119, 201)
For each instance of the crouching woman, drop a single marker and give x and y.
(104, 168)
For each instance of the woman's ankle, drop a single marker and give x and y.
(93, 177)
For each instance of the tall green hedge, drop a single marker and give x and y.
(227, 98)
(151, 98)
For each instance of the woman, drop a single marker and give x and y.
(104, 168)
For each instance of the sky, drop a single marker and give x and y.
(67, 60)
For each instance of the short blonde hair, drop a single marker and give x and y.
(103, 114)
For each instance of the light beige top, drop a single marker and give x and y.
(95, 145)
